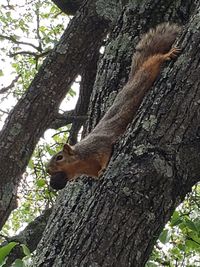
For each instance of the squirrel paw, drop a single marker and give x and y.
(173, 53)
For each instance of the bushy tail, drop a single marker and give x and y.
(157, 41)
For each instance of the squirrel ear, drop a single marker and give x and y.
(67, 149)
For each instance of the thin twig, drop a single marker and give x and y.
(28, 53)
(3, 111)
(38, 26)
(66, 131)
(10, 86)
(13, 39)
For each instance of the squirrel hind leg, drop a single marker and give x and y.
(173, 53)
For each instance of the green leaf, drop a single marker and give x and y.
(18, 263)
(164, 236)
(181, 247)
(31, 164)
(194, 236)
(41, 182)
(72, 93)
(42, 28)
(4, 251)
(26, 250)
(191, 225)
(191, 245)
(197, 224)
(176, 253)
(1, 73)
(176, 219)
(8, 13)
(151, 264)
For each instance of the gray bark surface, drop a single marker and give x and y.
(115, 221)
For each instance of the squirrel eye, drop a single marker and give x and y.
(59, 157)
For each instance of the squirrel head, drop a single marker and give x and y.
(62, 162)
(68, 164)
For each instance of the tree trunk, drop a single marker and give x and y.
(115, 221)
(38, 108)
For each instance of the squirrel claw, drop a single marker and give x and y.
(101, 172)
(173, 53)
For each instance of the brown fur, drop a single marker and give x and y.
(91, 155)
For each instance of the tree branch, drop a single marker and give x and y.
(14, 40)
(38, 27)
(29, 53)
(66, 118)
(10, 86)
(88, 75)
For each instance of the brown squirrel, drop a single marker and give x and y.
(91, 155)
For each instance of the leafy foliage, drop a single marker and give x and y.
(5, 250)
(27, 37)
(179, 242)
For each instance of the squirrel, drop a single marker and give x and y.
(91, 155)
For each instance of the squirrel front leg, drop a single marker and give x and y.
(104, 159)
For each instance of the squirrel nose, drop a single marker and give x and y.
(49, 169)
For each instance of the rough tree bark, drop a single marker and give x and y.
(39, 107)
(116, 221)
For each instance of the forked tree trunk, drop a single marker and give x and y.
(116, 221)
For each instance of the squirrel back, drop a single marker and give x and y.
(146, 64)
(91, 155)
